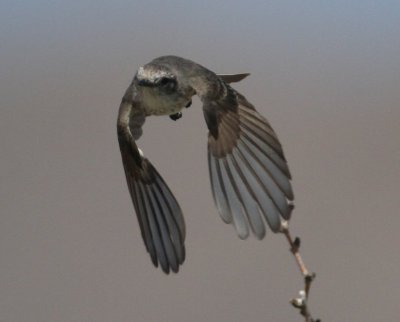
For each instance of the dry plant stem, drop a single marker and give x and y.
(300, 303)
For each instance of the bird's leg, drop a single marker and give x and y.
(176, 116)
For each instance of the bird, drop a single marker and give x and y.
(249, 175)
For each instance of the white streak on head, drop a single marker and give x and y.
(151, 73)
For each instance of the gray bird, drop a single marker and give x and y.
(250, 179)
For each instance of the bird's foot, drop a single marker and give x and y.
(175, 116)
(188, 104)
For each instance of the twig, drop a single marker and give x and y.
(300, 302)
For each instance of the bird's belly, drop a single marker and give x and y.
(156, 106)
(162, 110)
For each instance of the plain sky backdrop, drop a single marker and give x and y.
(325, 73)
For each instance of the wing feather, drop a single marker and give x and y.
(160, 218)
(249, 174)
(218, 189)
(234, 201)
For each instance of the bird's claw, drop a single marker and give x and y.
(188, 104)
(175, 116)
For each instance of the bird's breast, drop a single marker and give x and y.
(163, 105)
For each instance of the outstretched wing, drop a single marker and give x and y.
(249, 175)
(159, 215)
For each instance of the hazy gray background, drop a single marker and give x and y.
(325, 73)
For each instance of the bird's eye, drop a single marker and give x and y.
(165, 81)
(167, 84)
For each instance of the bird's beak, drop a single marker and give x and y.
(145, 82)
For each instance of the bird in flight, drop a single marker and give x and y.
(249, 175)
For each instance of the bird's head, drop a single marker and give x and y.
(163, 91)
(159, 80)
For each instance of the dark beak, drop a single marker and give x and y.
(144, 82)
